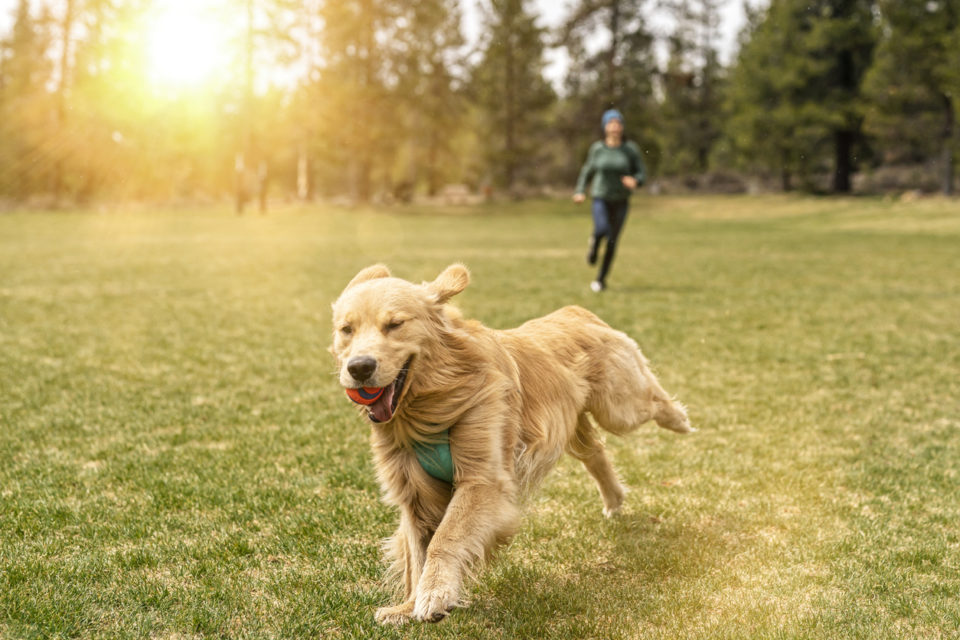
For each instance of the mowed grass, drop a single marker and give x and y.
(177, 460)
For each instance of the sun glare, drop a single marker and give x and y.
(186, 44)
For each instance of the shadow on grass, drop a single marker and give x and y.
(626, 576)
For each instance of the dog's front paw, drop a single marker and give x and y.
(435, 605)
(611, 512)
(395, 615)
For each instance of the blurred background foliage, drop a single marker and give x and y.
(387, 100)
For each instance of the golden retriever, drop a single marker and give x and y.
(507, 403)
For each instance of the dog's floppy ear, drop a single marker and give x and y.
(452, 281)
(370, 273)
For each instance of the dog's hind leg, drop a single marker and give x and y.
(629, 394)
(585, 447)
(672, 415)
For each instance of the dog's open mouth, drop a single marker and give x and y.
(386, 405)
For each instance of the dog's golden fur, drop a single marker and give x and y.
(513, 401)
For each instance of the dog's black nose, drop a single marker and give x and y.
(361, 367)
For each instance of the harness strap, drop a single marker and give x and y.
(435, 457)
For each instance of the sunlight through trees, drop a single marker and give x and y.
(389, 101)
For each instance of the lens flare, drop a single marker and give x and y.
(186, 45)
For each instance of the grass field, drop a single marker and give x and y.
(177, 461)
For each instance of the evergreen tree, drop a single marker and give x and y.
(427, 90)
(692, 85)
(912, 84)
(64, 73)
(796, 88)
(845, 36)
(94, 148)
(24, 103)
(509, 86)
(263, 44)
(354, 109)
(766, 83)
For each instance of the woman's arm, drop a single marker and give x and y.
(586, 173)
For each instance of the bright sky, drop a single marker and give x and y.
(185, 45)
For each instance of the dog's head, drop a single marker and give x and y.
(381, 326)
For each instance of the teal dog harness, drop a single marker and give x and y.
(435, 457)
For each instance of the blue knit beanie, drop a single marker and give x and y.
(609, 115)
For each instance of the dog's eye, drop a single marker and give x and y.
(394, 324)
(346, 330)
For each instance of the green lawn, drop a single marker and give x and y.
(177, 461)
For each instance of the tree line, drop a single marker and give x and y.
(389, 101)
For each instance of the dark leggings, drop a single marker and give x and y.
(609, 217)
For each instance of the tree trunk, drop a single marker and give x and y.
(785, 171)
(244, 159)
(363, 185)
(844, 138)
(843, 167)
(240, 186)
(433, 171)
(510, 123)
(946, 148)
(67, 27)
(703, 150)
(263, 179)
(304, 183)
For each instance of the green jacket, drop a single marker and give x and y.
(606, 165)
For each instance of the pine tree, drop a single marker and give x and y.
(353, 87)
(845, 34)
(263, 44)
(24, 104)
(796, 89)
(433, 108)
(509, 85)
(100, 98)
(64, 73)
(767, 82)
(913, 85)
(692, 87)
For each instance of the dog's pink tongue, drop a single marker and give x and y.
(382, 409)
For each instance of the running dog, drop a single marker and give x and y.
(466, 419)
